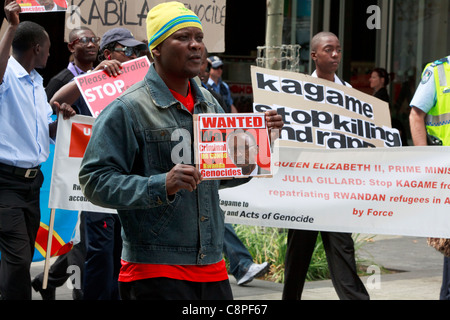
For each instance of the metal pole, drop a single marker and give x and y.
(274, 33)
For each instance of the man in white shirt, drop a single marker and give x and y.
(25, 130)
(326, 53)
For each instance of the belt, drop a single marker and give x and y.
(21, 172)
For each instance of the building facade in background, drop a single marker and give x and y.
(398, 35)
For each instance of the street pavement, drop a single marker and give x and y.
(414, 272)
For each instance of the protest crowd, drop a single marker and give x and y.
(167, 237)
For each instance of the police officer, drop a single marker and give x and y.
(431, 104)
(430, 123)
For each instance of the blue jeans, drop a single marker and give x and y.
(238, 255)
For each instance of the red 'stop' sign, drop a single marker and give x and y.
(99, 89)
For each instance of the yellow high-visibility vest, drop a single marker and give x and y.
(438, 119)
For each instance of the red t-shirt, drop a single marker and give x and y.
(195, 273)
(187, 101)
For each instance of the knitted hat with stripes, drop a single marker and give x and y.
(165, 19)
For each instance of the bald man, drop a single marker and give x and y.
(326, 52)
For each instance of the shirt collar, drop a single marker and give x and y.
(336, 79)
(76, 71)
(314, 74)
(20, 71)
(161, 95)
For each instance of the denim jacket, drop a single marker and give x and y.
(125, 167)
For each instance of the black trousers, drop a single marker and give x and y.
(171, 289)
(340, 252)
(103, 251)
(19, 224)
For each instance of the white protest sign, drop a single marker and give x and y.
(71, 142)
(335, 170)
(400, 191)
(102, 15)
(323, 114)
(397, 191)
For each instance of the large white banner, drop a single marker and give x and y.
(315, 185)
(397, 191)
(71, 142)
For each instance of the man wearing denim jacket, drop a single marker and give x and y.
(172, 224)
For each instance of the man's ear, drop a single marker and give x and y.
(107, 54)
(156, 52)
(36, 49)
(70, 47)
(313, 55)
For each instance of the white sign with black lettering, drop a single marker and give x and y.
(323, 114)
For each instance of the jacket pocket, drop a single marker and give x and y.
(160, 148)
(160, 221)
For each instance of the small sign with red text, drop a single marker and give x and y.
(99, 89)
(232, 145)
(31, 6)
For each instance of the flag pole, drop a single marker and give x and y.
(48, 252)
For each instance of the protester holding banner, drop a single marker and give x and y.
(83, 45)
(26, 125)
(339, 247)
(429, 124)
(172, 223)
(103, 240)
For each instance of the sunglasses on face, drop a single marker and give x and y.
(129, 51)
(86, 40)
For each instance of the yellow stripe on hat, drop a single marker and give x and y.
(167, 18)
